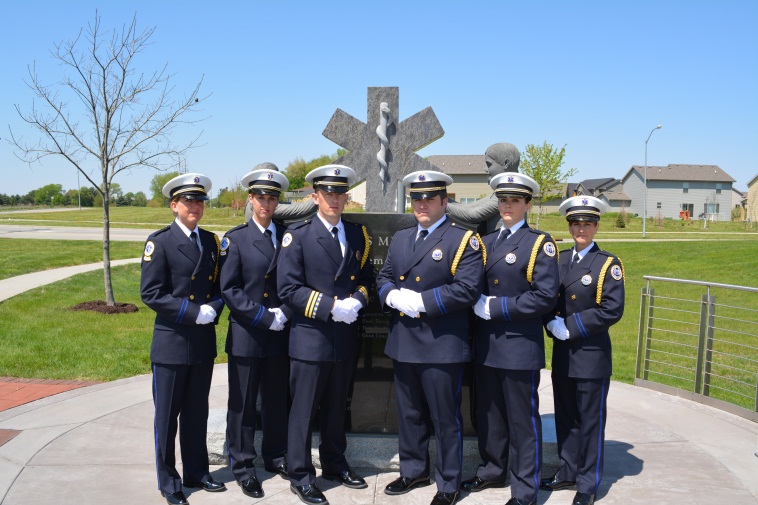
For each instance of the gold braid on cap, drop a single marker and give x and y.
(533, 258)
(366, 247)
(601, 279)
(459, 253)
(218, 253)
(484, 249)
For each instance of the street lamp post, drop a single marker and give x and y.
(644, 198)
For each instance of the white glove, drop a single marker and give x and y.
(343, 312)
(279, 319)
(398, 300)
(354, 304)
(207, 315)
(413, 299)
(482, 307)
(558, 328)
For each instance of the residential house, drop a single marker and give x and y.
(752, 199)
(700, 189)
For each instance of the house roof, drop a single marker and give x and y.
(452, 164)
(704, 173)
(753, 181)
(616, 196)
(591, 184)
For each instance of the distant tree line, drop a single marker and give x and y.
(53, 194)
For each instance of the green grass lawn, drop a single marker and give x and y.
(42, 338)
(24, 256)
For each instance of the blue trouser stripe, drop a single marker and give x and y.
(599, 462)
(537, 440)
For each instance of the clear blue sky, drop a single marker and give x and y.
(596, 76)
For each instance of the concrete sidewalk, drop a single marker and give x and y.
(95, 445)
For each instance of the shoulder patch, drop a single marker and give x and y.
(474, 243)
(149, 250)
(224, 245)
(287, 239)
(616, 272)
(549, 249)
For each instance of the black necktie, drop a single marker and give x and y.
(193, 239)
(574, 261)
(420, 238)
(335, 232)
(503, 235)
(267, 234)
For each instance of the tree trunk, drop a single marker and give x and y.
(109, 299)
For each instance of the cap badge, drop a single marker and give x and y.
(422, 177)
(510, 179)
(510, 258)
(585, 201)
(270, 176)
(336, 171)
(196, 180)
(437, 254)
(587, 280)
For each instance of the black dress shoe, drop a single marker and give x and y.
(176, 498)
(309, 493)
(445, 498)
(252, 487)
(519, 501)
(583, 499)
(555, 484)
(402, 485)
(280, 470)
(210, 485)
(477, 484)
(347, 478)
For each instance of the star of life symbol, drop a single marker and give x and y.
(585, 201)
(196, 180)
(510, 179)
(270, 176)
(422, 177)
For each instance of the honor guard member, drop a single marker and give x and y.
(180, 283)
(324, 275)
(256, 341)
(521, 285)
(429, 281)
(591, 300)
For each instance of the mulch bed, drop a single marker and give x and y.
(103, 307)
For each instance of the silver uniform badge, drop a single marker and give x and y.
(437, 254)
(587, 280)
(510, 258)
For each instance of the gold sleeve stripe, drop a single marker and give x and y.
(459, 253)
(601, 280)
(484, 249)
(366, 248)
(364, 292)
(312, 306)
(533, 258)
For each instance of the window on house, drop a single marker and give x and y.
(718, 188)
(658, 205)
(685, 187)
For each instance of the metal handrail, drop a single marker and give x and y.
(701, 283)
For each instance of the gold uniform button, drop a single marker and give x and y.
(402, 277)
(418, 279)
(352, 277)
(573, 297)
(335, 279)
(265, 276)
(210, 277)
(496, 282)
(336, 297)
(207, 296)
(265, 295)
(558, 313)
(192, 297)
(402, 314)
(193, 278)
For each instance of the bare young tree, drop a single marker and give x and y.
(543, 164)
(106, 114)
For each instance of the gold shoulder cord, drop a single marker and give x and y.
(218, 253)
(459, 253)
(601, 279)
(623, 273)
(533, 258)
(484, 249)
(366, 248)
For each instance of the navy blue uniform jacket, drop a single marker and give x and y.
(522, 275)
(446, 269)
(311, 274)
(175, 282)
(589, 309)
(248, 286)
